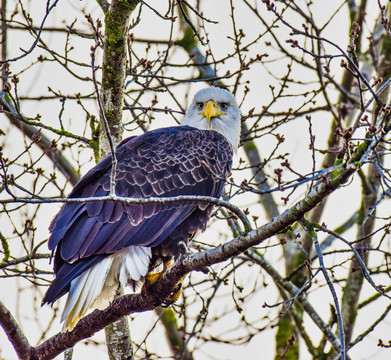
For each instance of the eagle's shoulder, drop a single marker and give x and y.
(176, 144)
(174, 134)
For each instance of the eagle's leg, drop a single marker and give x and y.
(151, 278)
(182, 251)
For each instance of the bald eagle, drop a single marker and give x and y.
(101, 243)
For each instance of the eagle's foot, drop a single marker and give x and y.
(173, 298)
(151, 278)
(183, 249)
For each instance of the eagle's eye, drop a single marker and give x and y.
(223, 106)
(200, 105)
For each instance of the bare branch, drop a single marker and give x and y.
(14, 333)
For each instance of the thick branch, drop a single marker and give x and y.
(114, 69)
(14, 333)
(118, 341)
(111, 104)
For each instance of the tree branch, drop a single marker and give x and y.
(42, 142)
(14, 333)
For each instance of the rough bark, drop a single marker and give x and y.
(114, 70)
(119, 343)
(114, 63)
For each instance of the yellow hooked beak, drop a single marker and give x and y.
(211, 110)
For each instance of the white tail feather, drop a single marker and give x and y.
(95, 287)
(136, 262)
(96, 281)
(84, 291)
(140, 265)
(131, 268)
(144, 254)
(123, 275)
(76, 289)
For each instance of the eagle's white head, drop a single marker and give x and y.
(215, 109)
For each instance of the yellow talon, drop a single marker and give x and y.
(177, 292)
(151, 278)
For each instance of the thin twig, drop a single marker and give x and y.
(357, 255)
(127, 200)
(49, 8)
(367, 331)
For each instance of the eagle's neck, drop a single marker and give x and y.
(232, 134)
